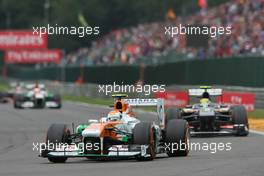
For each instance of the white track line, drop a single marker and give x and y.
(86, 104)
(257, 132)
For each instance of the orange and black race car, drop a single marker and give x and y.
(119, 134)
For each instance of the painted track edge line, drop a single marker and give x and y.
(257, 132)
(86, 104)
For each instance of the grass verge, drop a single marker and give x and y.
(257, 114)
(3, 86)
(88, 100)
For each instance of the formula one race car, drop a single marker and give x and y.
(211, 118)
(119, 135)
(36, 96)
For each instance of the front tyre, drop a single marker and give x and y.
(57, 133)
(57, 99)
(239, 116)
(39, 103)
(18, 100)
(144, 134)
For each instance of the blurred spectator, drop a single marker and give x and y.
(126, 46)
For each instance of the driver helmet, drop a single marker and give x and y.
(204, 101)
(114, 116)
(36, 84)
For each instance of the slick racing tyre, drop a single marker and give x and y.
(16, 104)
(57, 99)
(239, 117)
(172, 113)
(17, 101)
(39, 103)
(177, 138)
(58, 133)
(144, 134)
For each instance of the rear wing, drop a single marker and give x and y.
(199, 92)
(159, 103)
(31, 86)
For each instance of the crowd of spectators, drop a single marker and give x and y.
(126, 46)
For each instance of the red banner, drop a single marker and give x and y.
(22, 40)
(32, 56)
(238, 98)
(174, 98)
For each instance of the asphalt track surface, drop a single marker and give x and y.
(20, 128)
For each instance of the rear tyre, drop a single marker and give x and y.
(57, 133)
(239, 116)
(177, 138)
(144, 134)
(173, 113)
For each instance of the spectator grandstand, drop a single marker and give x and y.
(127, 46)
